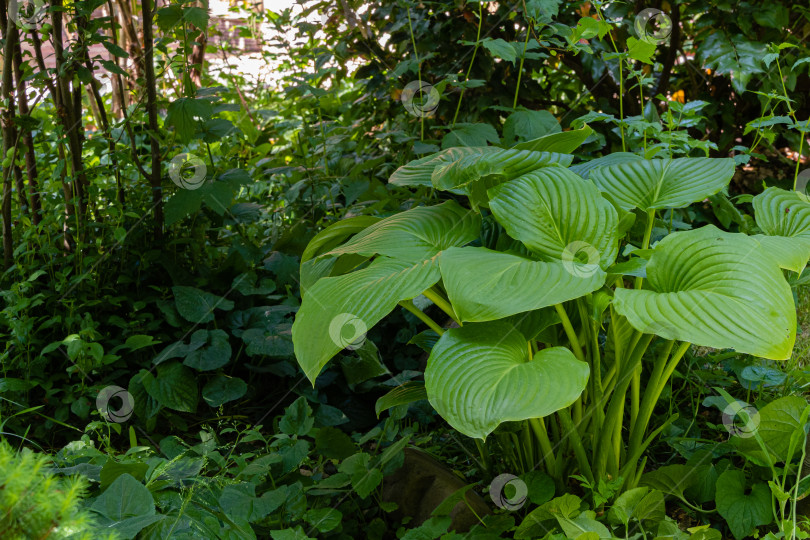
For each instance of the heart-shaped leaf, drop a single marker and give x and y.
(215, 354)
(420, 171)
(534, 525)
(784, 217)
(584, 169)
(642, 504)
(275, 341)
(671, 479)
(365, 364)
(559, 216)
(337, 311)
(500, 48)
(485, 285)
(742, 511)
(503, 164)
(789, 253)
(775, 424)
(403, 394)
(563, 142)
(415, 235)
(174, 387)
(416, 172)
(480, 375)
(198, 306)
(583, 527)
(297, 419)
(126, 507)
(714, 289)
(342, 308)
(663, 183)
(222, 389)
(336, 233)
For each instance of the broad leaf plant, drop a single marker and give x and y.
(573, 299)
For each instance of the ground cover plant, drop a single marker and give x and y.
(404, 270)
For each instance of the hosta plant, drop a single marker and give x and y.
(576, 289)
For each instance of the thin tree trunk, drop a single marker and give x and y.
(151, 108)
(34, 35)
(27, 140)
(116, 82)
(197, 56)
(18, 177)
(19, 185)
(97, 104)
(94, 109)
(67, 187)
(66, 111)
(133, 44)
(9, 131)
(95, 98)
(80, 21)
(120, 103)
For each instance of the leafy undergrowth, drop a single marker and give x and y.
(234, 310)
(802, 349)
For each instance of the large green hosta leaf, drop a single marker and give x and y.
(480, 375)
(419, 171)
(503, 164)
(485, 285)
(417, 234)
(789, 253)
(663, 183)
(563, 142)
(335, 234)
(784, 217)
(406, 245)
(320, 267)
(714, 289)
(559, 216)
(314, 267)
(353, 303)
(584, 169)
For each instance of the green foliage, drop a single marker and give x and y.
(568, 204)
(492, 365)
(237, 481)
(704, 275)
(37, 504)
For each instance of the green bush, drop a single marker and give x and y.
(36, 504)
